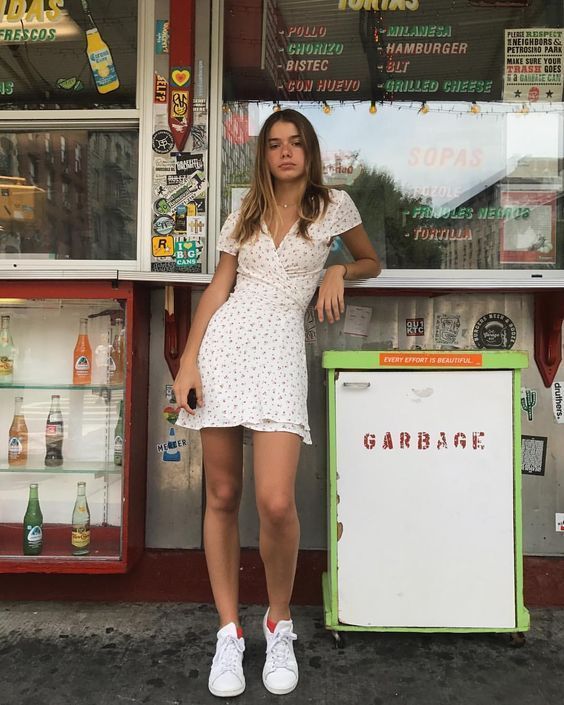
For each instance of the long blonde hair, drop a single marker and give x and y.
(259, 205)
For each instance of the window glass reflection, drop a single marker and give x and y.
(68, 54)
(68, 195)
(451, 188)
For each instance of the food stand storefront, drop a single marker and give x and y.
(127, 134)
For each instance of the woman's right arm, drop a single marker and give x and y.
(214, 296)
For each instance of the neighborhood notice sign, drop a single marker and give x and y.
(533, 65)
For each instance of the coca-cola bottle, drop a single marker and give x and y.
(54, 434)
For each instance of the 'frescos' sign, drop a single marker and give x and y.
(370, 50)
(36, 21)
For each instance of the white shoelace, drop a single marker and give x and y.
(278, 649)
(228, 656)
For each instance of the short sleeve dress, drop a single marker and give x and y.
(252, 358)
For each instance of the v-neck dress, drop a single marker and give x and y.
(252, 358)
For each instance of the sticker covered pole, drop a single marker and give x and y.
(181, 63)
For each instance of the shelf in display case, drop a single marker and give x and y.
(105, 543)
(101, 388)
(37, 465)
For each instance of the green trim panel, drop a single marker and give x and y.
(334, 360)
(425, 359)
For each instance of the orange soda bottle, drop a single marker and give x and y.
(17, 440)
(82, 358)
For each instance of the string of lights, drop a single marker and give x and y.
(458, 108)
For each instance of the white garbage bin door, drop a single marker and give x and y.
(425, 498)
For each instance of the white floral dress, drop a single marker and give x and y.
(252, 359)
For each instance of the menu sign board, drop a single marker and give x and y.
(370, 50)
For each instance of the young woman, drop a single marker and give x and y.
(245, 357)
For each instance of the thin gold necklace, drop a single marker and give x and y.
(286, 205)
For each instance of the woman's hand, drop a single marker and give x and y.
(331, 299)
(188, 378)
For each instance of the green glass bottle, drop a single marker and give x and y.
(33, 524)
(118, 438)
(80, 539)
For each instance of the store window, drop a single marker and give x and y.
(65, 190)
(35, 221)
(444, 123)
(68, 54)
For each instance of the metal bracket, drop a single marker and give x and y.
(178, 304)
(549, 314)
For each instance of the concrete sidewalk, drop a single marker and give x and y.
(117, 654)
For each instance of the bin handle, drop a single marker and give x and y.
(357, 385)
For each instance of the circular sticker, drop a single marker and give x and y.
(161, 206)
(494, 331)
(163, 142)
(163, 225)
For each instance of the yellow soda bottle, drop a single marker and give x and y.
(101, 62)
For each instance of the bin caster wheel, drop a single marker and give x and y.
(339, 640)
(517, 640)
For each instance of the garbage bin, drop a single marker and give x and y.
(424, 491)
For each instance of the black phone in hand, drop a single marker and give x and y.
(192, 399)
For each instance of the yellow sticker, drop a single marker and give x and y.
(163, 246)
(180, 77)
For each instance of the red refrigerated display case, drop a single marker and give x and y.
(103, 402)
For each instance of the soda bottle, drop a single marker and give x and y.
(101, 62)
(117, 354)
(101, 358)
(54, 434)
(7, 352)
(80, 539)
(118, 438)
(17, 442)
(33, 525)
(82, 358)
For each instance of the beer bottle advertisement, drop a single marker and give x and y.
(54, 434)
(80, 537)
(82, 358)
(17, 436)
(33, 524)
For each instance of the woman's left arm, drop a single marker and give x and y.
(331, 299)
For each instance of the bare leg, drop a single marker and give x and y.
(276, 456)
(223, 464)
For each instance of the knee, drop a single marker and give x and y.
(223, 497)
(277, 511)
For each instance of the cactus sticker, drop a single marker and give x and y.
(528, 401)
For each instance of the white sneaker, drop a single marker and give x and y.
(280, 672)
(226, 676)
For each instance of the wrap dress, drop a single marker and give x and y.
(252, 358)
